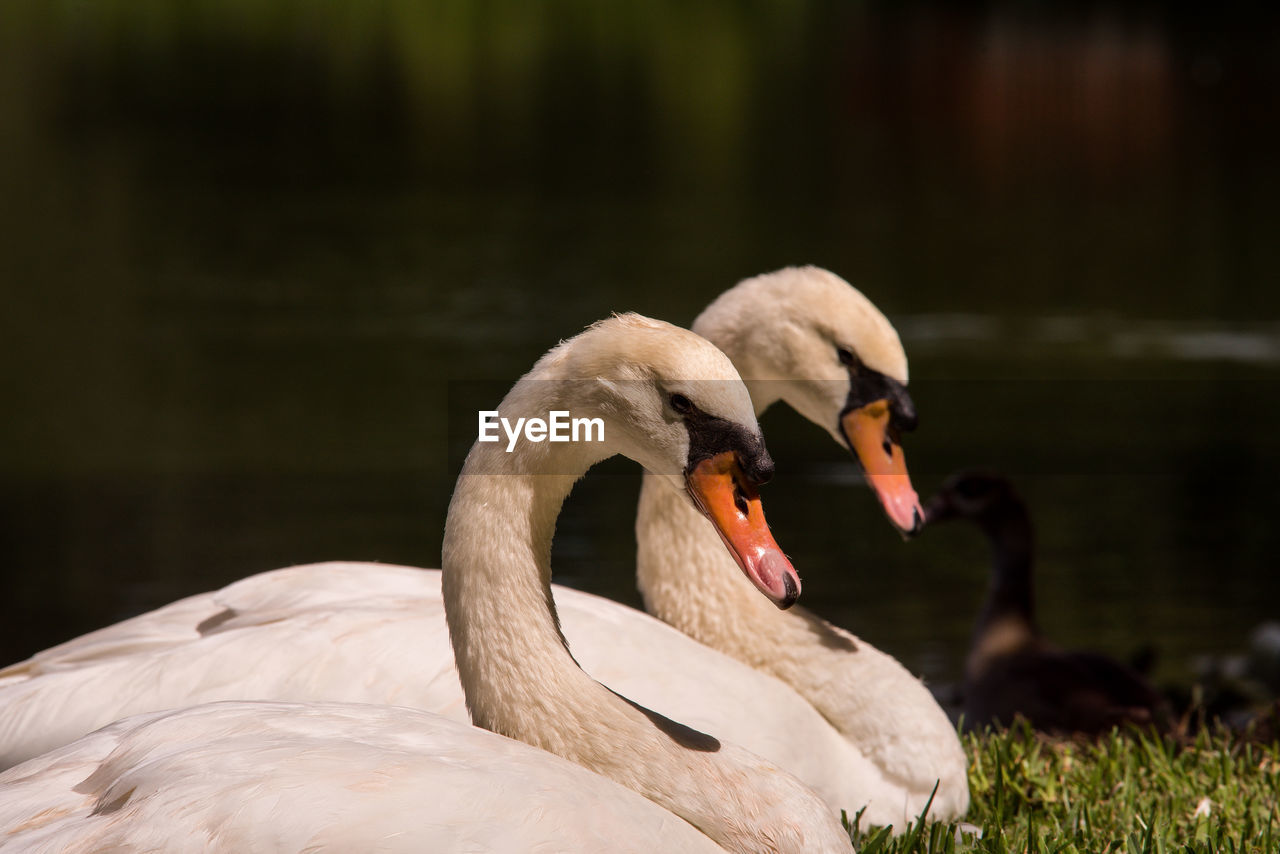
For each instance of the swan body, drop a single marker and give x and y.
(333, 771)
(646, 380)
(375, 633)
(827, 351)
(849, 720)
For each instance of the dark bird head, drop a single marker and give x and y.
(982, 497)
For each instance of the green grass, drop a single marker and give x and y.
(1131, 792)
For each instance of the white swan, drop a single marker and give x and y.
(868, 735)
(235, 777)
(823, 348)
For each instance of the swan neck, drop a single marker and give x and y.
(519, 678)
(681, 566)
(521, 681)
(496, 582)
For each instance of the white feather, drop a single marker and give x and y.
(850, 721)
(250, 777)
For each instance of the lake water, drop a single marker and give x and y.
(247, 249)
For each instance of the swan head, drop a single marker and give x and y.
(807, 337)
(675, 404)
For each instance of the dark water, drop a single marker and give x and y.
(245, 249)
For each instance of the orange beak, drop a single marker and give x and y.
(731, 502)
(868, 433)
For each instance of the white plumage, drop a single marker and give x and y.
(250, 777)
(375, 633)
(324, 776)
(861, 729)
(784, 332)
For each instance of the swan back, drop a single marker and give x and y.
(342, 778)
(375, 633)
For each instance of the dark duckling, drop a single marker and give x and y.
(1011, 669)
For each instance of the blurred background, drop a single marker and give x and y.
(248, 248)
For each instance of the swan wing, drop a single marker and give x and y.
(284, 635)
(374, 633)
(320, 777)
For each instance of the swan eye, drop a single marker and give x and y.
(846, 357)
(681, 404)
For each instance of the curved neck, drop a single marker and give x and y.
(503, 623)
(520, 679)
(689, 580)
(496, 569)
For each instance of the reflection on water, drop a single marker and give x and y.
(1094, 338)
(247, 247)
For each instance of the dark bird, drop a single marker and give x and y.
(1012, 669)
